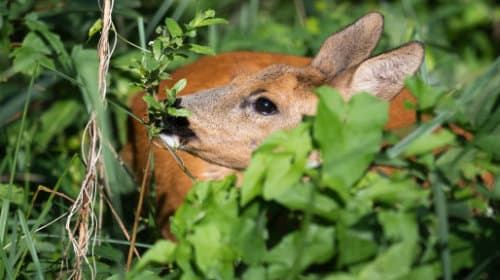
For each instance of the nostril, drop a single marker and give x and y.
(177, 103)
(177, 121)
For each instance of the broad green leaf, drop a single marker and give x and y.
(402, 193)
(399, 225)
(54, 41)
(162, 252)
(199, 49)
(421, 272)
(355, 246)
(478, 99)
(33, 51)
(305, 197)
(489, 142)
(428, 142)
(394, 263)
(253, 178)
(300, 249)
(12, 193)
(283, 171)
(340, 276)
(173, 27)
(255, 273)
(296, 141)
(349, 134)
(150, 64)
(281, 164)
(55, 120)
(214, 255)
(426, 95)
(250, 234)
(86, 62)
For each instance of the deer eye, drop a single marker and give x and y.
(265, 106)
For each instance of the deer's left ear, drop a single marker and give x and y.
(383, 75)
(349, 46)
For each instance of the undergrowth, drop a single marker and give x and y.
(434, 216)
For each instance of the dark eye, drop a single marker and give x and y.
(265, 106)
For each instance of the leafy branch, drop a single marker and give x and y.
(170, 43)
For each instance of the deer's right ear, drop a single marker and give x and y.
(350, 46)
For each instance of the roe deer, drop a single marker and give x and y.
(238, 98)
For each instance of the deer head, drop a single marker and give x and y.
(228, 122)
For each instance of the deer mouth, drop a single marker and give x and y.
(175, 131)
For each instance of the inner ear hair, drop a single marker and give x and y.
(349, 46)
(383, 75)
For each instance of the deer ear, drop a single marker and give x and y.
(383, 75)
(350, 46)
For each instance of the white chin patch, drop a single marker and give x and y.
(172, 141)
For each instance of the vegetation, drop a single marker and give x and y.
(435, 217)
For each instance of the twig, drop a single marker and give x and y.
(145, 180)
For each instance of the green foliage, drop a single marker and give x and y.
(169, 44)
(291, 217)
(293, 221)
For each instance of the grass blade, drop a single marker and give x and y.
(30, 244)
(424, 129)
(162, 10)
(443, 233)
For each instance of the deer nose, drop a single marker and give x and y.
(173, 125)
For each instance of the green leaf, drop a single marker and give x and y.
(349, 135)
(54, 42)
(162, 253)
(152, 102)
(428, 142)
(33, 51)
(12, 193)
(157, 49)
(283, 160)
(427, 96)
(421, 272)
(300, 249)
(305, 197)
(402, 193)
(253, 178)
(477, 100)
(179, 85)
(150, 64)
(55, 120)
(254, 273)
(96, 27)
(394, 263)
(178, 112)
(211, 21)
(249, 235)
(214, 255)
(399, 225)
(489, 142)
(199, 49)
(282, 172)
(355, 246)
(173, 27)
